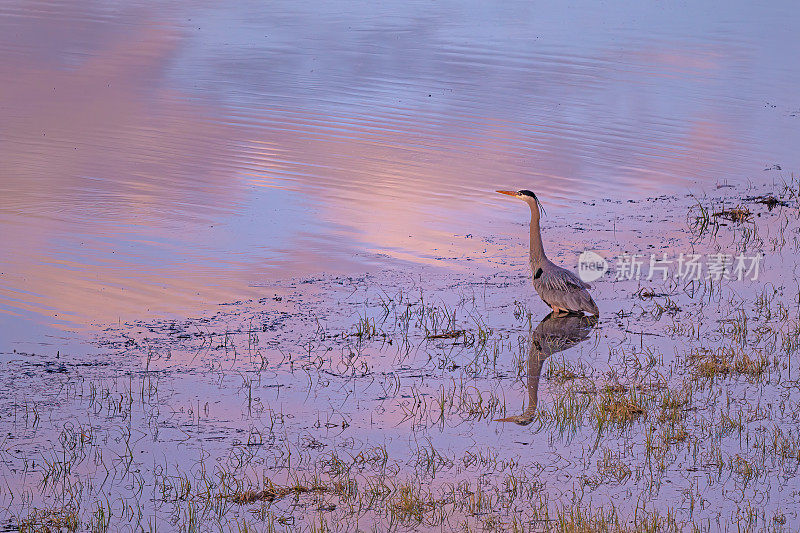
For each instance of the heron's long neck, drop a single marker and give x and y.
(537, 250)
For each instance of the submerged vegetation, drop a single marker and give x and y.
(377, 409)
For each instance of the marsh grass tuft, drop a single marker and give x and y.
(710, 363)
(410, 503)
(50, 520)
(615, 407)
(739, 214)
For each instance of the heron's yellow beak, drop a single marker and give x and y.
(510, 193)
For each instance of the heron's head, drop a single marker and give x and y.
(526, 196)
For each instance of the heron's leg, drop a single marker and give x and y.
(557, 311)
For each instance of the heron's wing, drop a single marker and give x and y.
(554, 278)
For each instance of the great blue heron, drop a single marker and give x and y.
(562, 290)
(553, 334)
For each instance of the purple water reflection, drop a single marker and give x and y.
(159, 160)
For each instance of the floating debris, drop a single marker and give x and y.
(453, 334)
(739, 214)
(767, 199)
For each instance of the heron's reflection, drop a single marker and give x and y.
(553, 334)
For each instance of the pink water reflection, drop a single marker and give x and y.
(165, 160)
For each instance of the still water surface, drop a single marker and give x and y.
(163, 158)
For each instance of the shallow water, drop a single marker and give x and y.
(156, 159)
(343, 383)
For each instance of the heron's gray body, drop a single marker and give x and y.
(560, 288)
